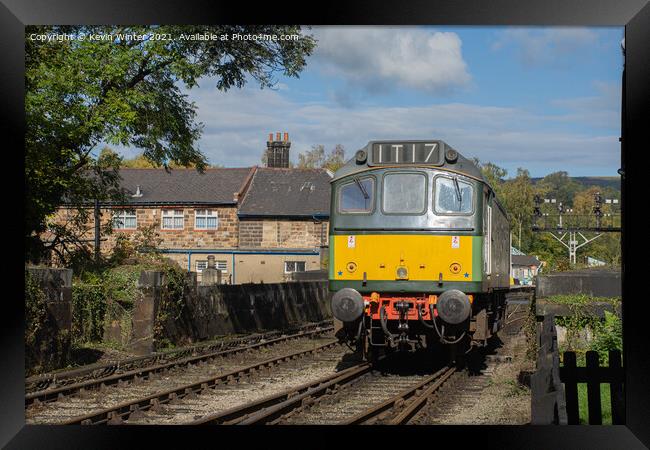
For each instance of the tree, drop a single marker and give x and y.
(560, 186)
(317, 158)
(517, 197)
(493, 174)
(82, 92)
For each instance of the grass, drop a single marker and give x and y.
(605, 404)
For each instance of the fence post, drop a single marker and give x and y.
(571, 388)
(548, 405)
(593, 389)
(616, 388)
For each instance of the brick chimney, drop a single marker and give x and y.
(277, 151)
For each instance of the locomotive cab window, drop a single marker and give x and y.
(453, 196)
(357, 196)
(404, 193)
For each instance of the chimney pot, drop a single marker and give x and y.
(277, 136)
(270, 137)
(286, 137)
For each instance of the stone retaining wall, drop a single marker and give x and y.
(215, 310)
(51, 348)
(595, 283)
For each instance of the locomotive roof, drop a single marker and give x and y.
(462, 165)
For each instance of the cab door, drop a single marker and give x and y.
(487, 235)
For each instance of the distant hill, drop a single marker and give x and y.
(612, 182)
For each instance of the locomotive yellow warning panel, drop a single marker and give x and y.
(416, 257)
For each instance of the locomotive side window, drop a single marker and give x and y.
(357, 196)
(453, 196)
(404, 193)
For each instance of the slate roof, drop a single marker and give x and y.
(179, 186)
(287, 192)
(525, 260)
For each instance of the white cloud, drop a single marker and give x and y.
(553, 46)
(602, 109)
(378, 58)
(238, 123)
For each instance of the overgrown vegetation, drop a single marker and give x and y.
(106, 292)
(36, 320)
(585, 332)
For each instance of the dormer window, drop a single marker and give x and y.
(205, 219)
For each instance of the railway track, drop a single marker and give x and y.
(60, 404)
(45, 382)
(187, 402)
(342, 398)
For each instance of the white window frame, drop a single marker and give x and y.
(220, 265)
(295, 264)
(174, 216)
(121, 216)
(207, 213)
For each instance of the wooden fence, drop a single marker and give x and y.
(594, 375)
(553, 403)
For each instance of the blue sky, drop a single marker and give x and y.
(541, 98)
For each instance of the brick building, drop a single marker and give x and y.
(259, 224)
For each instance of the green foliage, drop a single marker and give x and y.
(81, 93)
(172, 302)
(560, 186)
(517, 195)
(36, 316)
(46, 346)
(606, 334)
(120, 284)
(88, 308)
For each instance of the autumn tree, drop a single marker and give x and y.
(317, 158)
(81, 93)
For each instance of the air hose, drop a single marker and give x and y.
(384, 327)
(421, 319)
(442, 335)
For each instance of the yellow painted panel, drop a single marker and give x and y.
(424, 256)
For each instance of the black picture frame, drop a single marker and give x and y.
(633, 14)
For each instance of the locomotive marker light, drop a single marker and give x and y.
(453, 306)
(361, 156)
(451, 155)
(347, 305)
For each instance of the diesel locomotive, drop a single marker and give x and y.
(419, 250)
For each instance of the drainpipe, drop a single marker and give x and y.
(97, 231)
(322, 234)
(233, 268)
(189, 260)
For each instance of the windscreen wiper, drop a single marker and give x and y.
(458, 194)
(362, 189)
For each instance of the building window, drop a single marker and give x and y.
(125, 220)
(221, 265)
(205, 219)
(172, 219)
(294, 266)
